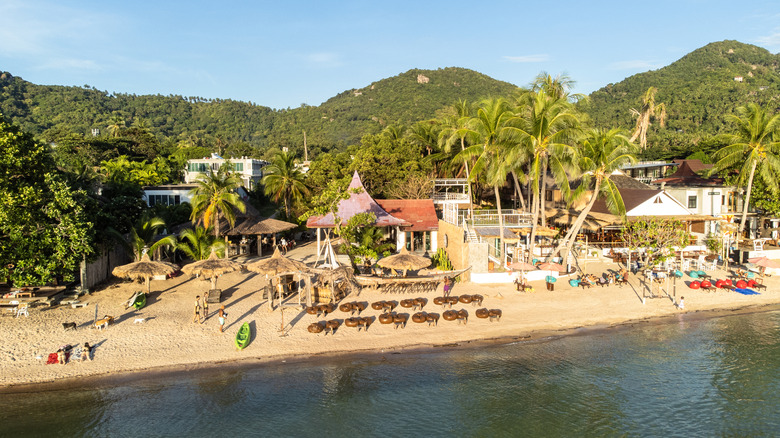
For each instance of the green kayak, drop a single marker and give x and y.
(242, 337)
(140, 301)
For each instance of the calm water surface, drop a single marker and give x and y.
(716, 377)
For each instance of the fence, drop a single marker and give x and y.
(99, 270)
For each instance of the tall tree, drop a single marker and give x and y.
(197, 243)
(143, 236)
(602, 152)
(544, 128)
(284, 181)
(45, 231)
(457, 130)
(490, 124)
(753, 147)
(216, 195)
(649, 109)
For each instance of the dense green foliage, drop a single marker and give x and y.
(231, 127)
(45, 230)
(698, 91)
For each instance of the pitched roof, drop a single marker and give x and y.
(360, 202)
(419, 213)
(662, 205)
(686, 176)
(694, 164)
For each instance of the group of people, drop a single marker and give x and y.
(202, 311)
(84, 355)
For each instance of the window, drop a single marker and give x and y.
(164, 200)
(196, 167)
(548, 196)
(692, 201)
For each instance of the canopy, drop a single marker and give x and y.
(211, 268)
(145, 269)
(276, 264)
(404, 261)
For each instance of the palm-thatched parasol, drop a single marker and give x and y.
(146, 269)
(276, 264)
(404, 261)
(211, 268)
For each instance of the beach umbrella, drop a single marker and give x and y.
(276, 264)
(764, 263)
(403, 261)
(211, 268)
(145, 269)
(549, 266)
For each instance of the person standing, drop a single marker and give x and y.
(196, 317)
(222, 316)
(681, 304)
(206, 306)
(447, 286)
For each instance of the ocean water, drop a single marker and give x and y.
(686, 377)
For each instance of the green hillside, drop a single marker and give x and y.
(698, 90)
(337, 123)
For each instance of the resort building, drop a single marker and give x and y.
(175, 194)
(411, 224)
(250, 170)
(647, 171)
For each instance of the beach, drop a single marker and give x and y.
(168, 340)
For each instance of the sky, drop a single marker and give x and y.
(283, 54)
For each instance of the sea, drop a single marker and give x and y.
(686, 376)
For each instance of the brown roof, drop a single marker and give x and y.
(631, 199)
(694, 164)
(686, 176)
(419, 213)
(360, 202)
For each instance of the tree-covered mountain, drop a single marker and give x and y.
(341, 121)
(698, 90)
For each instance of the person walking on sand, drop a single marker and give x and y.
(222, 316)
(196, 317)
(447, 286)
(681, 304)
(206, 305)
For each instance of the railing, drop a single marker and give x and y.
(460, 197)
(490, 218)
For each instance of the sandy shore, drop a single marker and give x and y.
(169, 340)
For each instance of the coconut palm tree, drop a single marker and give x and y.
(214, 196)
(490, 125)
(649, 109)
(543, 128)
(116, 124)
(457, 130)
(753, 147)
(197, 243)
(143, 236)
(602, 152)
(283, 181)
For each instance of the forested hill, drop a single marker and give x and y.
(698, 90)
(342, 120)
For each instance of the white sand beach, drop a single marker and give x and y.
(168, 339)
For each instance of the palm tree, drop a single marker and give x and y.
(490, 125)
(283, 181)
(457, 130)
(543, 128)
(143, 236)
(602, 152)
(649, 109)
(197, 243)
(753, 146)
(116, 124)
(216, 195)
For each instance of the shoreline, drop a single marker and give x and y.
(124, 376)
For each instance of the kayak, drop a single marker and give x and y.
(242, 337)
(140, 301)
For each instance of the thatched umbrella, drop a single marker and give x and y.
(146, 269)
(211, 268)
(276, 264)
(404, 261)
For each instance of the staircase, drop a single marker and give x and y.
(471, 236)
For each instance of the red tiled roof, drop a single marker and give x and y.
(420, 213)
(360, 202)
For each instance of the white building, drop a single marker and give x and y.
(175, 194)
(249, 169)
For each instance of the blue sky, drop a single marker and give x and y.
(282, 54)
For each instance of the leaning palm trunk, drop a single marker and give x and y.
(543, 193)
(534, 222)
(747, 202)
(468, 179)
(519, 193)
(571, 235)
